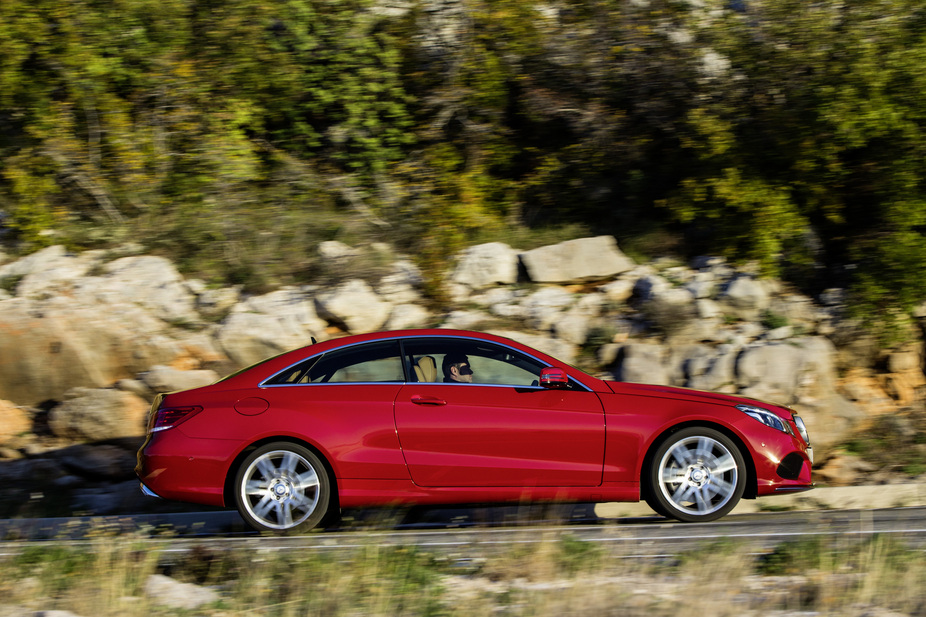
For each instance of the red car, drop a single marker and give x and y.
(453, 417)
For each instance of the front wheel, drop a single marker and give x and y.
(282, 487)
(698, 474)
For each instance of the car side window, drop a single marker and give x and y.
(370, 362)
(490, 363)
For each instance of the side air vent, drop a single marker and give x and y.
(790, 467)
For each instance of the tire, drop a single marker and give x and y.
(697, 475)
(283, 488)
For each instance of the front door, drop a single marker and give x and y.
(498, 434)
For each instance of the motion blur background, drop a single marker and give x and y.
(235, 135)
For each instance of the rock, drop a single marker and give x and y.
(702, 285)
(165, 591)
(770, 372)
(332, 249)
(670, 309)
(267, 325)
(714, 372)
(708, 309)
(99, 462)
(687, 362)
(96, 415)
(14, 421)
(408, 316)
(400, 287)
(354, 305)
(54, 271)
(619, 291)
(904, 360)
(40, 261)
(465, 320)
(214, 302)
(901, 387)
(779, 334)
(745, 297)
(502, 302)
(573, 327)
(150, 282)
(843, 470)
(136, 387)
(486, 265)
(649, 286)
(575, 261)
(543, 307)
(50, 347)
(642, 363)
(166, 379)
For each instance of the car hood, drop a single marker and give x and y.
(642, 389)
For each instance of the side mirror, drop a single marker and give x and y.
(552, 377)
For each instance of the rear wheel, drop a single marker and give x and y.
(697, 474)
(284, 488)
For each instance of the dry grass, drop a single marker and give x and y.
(558, 576)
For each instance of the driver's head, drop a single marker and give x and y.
(456, 367)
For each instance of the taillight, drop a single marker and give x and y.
(169, 417)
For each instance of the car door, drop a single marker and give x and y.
(502, 429)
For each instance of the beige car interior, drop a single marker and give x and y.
(426, 369)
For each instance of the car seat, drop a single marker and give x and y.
(426, 369)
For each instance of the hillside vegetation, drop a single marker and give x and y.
(233, 136)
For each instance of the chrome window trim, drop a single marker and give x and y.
(400, 340)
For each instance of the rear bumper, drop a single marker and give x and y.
(176, 467)
(147, 491)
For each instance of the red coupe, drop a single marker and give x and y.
(454, 417)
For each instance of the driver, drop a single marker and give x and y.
(456, 368)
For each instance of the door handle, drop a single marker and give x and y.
(427, 400)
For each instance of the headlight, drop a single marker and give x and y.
(802, 429)
(765, 417)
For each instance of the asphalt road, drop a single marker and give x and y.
(478, 532)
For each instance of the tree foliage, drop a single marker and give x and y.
(778, 131)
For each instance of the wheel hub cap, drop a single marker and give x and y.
(280, 489)
(698, 476)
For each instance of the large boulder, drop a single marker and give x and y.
(486, 265)
(97, 415)
(354, 305)
(576, 261)
(267, 325)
